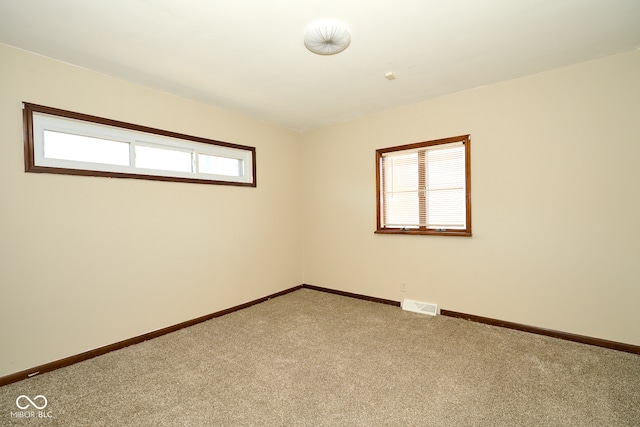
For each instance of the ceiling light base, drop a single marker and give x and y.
(327, 37)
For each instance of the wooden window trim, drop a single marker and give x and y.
(465, 139)
(29, 151)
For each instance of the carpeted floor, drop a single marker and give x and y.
(310, 358)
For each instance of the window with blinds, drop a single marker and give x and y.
(424, 188)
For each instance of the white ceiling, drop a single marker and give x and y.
(248, 55)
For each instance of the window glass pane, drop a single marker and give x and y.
(402, 209)
(65, 146)
(162, 159)
(401, 190)
(220, 165)
(445, 195)
(401, 172)
(445, 168)
(446, 209)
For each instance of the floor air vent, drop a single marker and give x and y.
(420, 307)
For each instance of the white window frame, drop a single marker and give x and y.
(39, 119)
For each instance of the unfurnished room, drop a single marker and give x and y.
(319, 213)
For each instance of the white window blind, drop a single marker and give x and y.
(424, 187)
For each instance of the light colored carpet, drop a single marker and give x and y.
(310, 358)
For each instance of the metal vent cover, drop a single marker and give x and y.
(420, 307)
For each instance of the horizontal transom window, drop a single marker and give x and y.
(424, 188)
(65, 142)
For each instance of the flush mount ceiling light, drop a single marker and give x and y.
(327, 37)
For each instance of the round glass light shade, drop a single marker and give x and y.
(327, 37)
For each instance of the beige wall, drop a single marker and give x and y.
(87, 261)
(556, 203)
